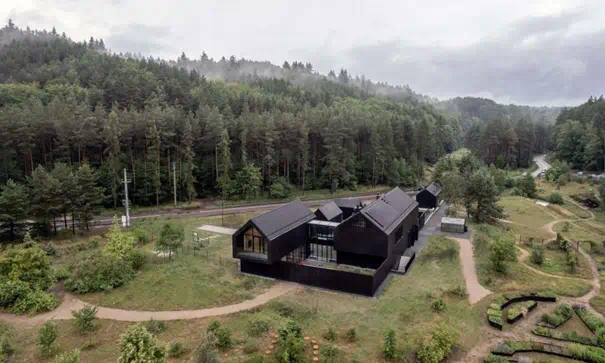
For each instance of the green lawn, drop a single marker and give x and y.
(404, 305)
(582, 230)
(526, 212)
(519, 276)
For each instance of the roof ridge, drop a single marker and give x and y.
(278, 208)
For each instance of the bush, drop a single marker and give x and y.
(27, 264)
(330, 354)
(255, 359)
(501, 251)
(572, 260)
(84, 319)
(537, 255)
(562, 313)
(555, 198)
(94, 241)
(155, 327)
(509, 182)
(99, 273)
(11, 291)
(35, 302)
(138, 345)
(330, 335)
(459, 291)
(437, 347)
(223, 338)
(258, 327)
(46, 337)
(389, 347)
(351, 335)
(290, 328)
(292, 349)
(206, 350)
(140, 235)
(138, 260)
(176, 350)
(71, 357)
(438, 305)
(61, 273)
(213, 326)
(280, 188)
(494, 359)
(251, 346)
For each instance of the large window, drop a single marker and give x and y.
(254, 242)
(322, 233)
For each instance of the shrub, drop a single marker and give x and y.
(562, 243)
(330, 335)
(138, 345)
(459, 291)
(509, 182)
(437, 347)
(176, 349)
(99, 273)
(61, 274)
(555, 198)
(35, 302)
(351, 335)
(84, 319)
(292, 349)
(494, 359)
(258, 327)
(138, 259)
(94, 241)
(46, 337)
(501, 251)
(601, 337)
(11, 291)
(213, 326)
(155, 327)
(223, 338)
(171, 238)
(537, 255)
(140, 235)
(290, 328)
(27, 264)
(280, 188)
(255, 359)
(389, 347)
(120, 245)
(251, 346)
(206, 350)
(438, 305)
(494, 316)
(562, 313)
(330, 353)
(71, 357)
(572, 260)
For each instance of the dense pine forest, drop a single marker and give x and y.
(74, 115)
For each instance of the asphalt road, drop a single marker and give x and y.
(540, 160)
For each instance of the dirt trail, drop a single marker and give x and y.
(476, 292)
(70, 303)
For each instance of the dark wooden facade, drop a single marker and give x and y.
(429, 197)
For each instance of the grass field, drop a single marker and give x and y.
(555, 263)
(526, 212)
(519, 276)
(581, 230)
(404, 305)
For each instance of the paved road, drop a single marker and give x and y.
(540, 160)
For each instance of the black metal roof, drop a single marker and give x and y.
(387, 212)
(347, 202)
(283, 219)
(330, 210)
(434, 189)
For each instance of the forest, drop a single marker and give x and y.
(222, 128)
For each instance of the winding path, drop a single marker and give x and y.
(476, 291)
(71, 303)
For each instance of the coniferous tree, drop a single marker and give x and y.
(14, 208)
(90, 195)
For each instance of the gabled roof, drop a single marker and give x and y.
(434, 189)
(330, 210)
(283, 219)
(347, 202)
(387, 212)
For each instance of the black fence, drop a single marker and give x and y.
(344, 281)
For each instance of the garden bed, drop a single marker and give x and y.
(520, 310)
(579, 352)
(560, 316)
(572, 337)
(592, 321)
(494, 312)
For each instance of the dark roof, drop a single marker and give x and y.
(347, 202)
(283, 219)
(434, 189)
(387, 212)
(330, 210)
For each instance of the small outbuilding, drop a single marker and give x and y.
(429, 196)
(348, 206)
(453, 225)
(329, 212)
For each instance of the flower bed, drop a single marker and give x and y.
(553, 320)
(590, 320)
(494, 312)
(583, 353)
(567, 336)
(520, 310)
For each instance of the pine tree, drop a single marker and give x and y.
(14, 208)
(188, 156)
(154, 159)
(112, 134)
(90, 195)
(42, 187)
(66, 192)
(225, 160)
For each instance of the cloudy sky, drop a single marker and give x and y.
(539, 52)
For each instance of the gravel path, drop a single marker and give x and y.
(476, 292)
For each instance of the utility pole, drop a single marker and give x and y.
(174, 180)
(126, 198)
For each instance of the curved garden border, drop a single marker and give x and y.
(494, 312)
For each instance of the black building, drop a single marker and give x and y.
(429, 196)
(329, 212)
(348, 206)
(355, 255)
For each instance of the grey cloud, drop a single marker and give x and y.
(536, 61)
(140, 38)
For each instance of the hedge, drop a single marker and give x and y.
(584, 353)
(591, 321)
(494, 316)
(517, 312)
(553, 320)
